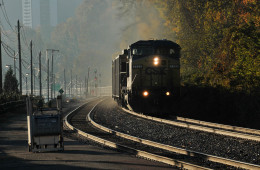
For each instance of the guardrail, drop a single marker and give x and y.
(11, 105)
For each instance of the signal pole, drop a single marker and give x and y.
(20, 57)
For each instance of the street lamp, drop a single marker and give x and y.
(8, 66)
(26, 82)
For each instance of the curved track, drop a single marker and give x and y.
(76, 121)
(254, 132)
(233, 131)
(160, 151)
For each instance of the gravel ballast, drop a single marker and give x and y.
(219, 145)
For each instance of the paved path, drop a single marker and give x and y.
(14, 152)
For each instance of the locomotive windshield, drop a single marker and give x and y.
(152, 51)
(165, 51)
(143, 51)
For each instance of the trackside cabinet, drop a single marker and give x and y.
(44, 130)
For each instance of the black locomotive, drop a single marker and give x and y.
(146, 77)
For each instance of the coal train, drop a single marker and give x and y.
(146, 76)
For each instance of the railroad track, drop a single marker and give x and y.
(232, 131)
(221, 126)
(76, 121)
(144, 148)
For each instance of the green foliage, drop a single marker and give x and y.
(10, 82)
(219, 40)
(242, 68)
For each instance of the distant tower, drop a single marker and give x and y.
(27, 13)
(45, 19)
(45, 13)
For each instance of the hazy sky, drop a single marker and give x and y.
(103, 29)
(13, 10)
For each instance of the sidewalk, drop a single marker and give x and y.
(14, 152)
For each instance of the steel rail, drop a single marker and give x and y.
(177, 150)
(227, 127)
(138, 153)
(197, 127)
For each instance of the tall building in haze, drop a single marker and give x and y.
(27, 13)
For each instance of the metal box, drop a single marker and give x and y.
(46, 125)
(44, 130)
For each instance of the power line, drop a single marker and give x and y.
(5, 15)
(25, 66)
(5, 34)
(7, 46)
(7, 52)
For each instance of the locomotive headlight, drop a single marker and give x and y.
(145, 93)
(168, 93)
(156, 61)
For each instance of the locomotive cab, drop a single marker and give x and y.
(153, 75)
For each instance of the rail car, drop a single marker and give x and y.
(146, 76)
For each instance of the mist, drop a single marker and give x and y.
(100, 30)
(88, 34)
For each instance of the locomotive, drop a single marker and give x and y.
(146, 76)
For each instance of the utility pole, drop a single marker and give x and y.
(26, 85)
(31, 68)
(14, 65)
(20, 57)
(1, 77)
(48, 85)
(64, 84)
(76, 86)
(52, 73)
(85, 85)
(40, 74)
(70, 83)
(80, 87)
(54, 85)
(87, 80)
(96, 81)
(99, 80)
(34, 77)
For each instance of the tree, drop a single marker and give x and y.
(219, 40)
(10, 82)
